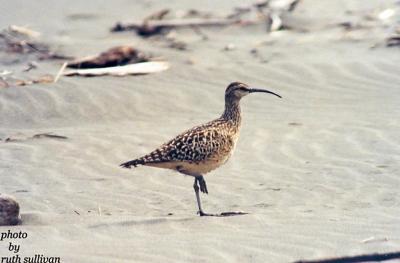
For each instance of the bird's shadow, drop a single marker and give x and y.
(225, 214)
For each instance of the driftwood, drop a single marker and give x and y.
(151, 27)
(18, 40)
(59, 73)
(42, 79)
(187, 22)
(374, 239)
(157, 15)
(21, 138)
(49, 135)
(117, 61)
(130, 69)
(115, 56)
(353, 259)
(24, 31)
(267, 10)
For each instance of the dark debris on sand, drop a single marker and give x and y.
(112, 57)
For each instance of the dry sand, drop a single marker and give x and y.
(318, 171)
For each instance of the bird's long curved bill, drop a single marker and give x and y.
(265, 91)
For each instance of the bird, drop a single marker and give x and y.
(205, 147)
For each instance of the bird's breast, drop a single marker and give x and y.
(231, 150)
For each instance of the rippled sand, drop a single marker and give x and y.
(318, 171)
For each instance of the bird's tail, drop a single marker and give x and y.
(133, 163)
(155, 156)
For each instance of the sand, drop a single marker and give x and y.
(318, 170)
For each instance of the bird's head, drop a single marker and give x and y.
(237, 90)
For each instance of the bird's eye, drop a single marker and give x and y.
(243, 89)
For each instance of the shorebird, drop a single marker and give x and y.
(205, 147)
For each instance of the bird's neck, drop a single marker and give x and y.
(232, 111)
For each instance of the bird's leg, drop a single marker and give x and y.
(196, 190)
(203, 188)
(202, 183)
(199, 180)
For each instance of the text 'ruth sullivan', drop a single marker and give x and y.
(35, 259)
(14, 241)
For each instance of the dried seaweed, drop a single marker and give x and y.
(115, 56)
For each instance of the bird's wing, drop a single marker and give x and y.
(197, 144)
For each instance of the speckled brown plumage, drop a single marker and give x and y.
(195, 149)
(204, 147)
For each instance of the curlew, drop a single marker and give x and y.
(205, 147)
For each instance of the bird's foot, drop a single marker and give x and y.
(223, 214)
(201, 213)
